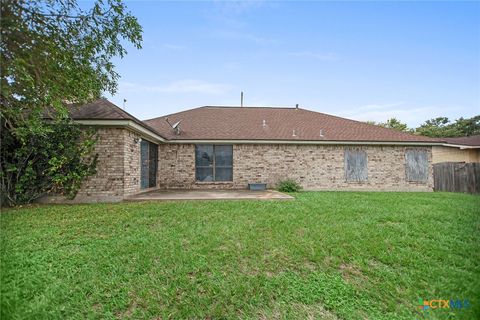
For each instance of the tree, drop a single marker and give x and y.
(55, 161)
(54, 52)
(468, 127)
(392, 123)
(437, 127)
(395, 124)
(442, 127)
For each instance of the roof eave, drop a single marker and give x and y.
(123, 123)
(310, 142)
(460, 146)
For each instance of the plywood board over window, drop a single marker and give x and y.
(356, 165)
(416, 165)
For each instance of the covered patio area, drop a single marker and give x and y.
(161, 195)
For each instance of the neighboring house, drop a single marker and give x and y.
(462, 149)
(230, 147)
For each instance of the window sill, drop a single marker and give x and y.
(213, 182)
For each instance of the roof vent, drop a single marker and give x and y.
(264, 124)
(293, 133)
(175, 126)
(296, 106)
(321, 133)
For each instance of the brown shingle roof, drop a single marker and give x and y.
(99, 109)
(473, 141)
(246, 123)
(102, 109)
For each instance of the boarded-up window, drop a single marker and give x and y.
(416, 163)
(356, 165)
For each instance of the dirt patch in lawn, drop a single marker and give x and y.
(300, 310)
(352, 274)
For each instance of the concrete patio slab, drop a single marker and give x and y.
(160, 195)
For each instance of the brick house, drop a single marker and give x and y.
(230, 147)
(461, 149)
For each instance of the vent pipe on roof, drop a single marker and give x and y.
(293, 133)
(175, 126)
(124, 103)
(241, 99)
(264, 123)
(321, 133)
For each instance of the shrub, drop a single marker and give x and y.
(51, 157)
(288, 185)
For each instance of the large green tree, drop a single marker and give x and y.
(54, 52)
(442, 127)
(396, 124)
(437, 127)
(392, 123)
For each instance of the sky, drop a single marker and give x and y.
(360, 60)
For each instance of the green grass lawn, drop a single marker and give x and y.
(332, 255)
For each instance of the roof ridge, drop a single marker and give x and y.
(119, 110)
(224, 107)
(251, 107)
(368, 124)
(122, 113)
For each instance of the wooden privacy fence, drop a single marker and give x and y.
(457, 177)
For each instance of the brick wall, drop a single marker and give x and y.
(107, 183)
(118, 168)
(315, 167)
(176, 165)
(131, 164)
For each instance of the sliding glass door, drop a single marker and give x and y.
(148, 164)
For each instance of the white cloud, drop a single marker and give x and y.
(410, 114)
(181, 86)
(243, 36)
(237, 7)
(232, 66)
(231, 14)
(230, 19)
(315, 55)
(174, 47)
(373, 107)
